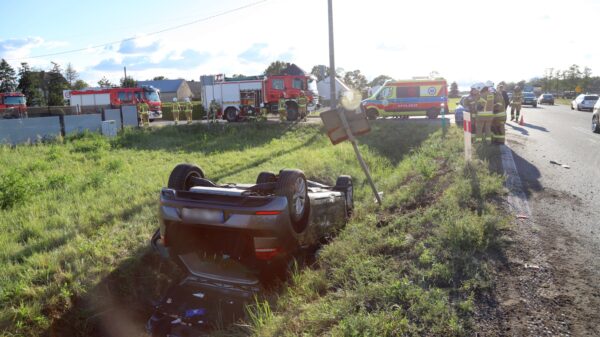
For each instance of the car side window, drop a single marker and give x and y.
(385, 93)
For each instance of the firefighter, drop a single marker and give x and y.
(499, 120)
(302, 105)
(471, 104)
(515, 103)
(187, 107)
(485, 117)
(282, 108)
(176, 108)
(214, 109)
(144, 115)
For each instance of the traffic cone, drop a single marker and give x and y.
(521, 121)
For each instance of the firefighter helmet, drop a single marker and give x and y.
(489, 84)
(174, 99)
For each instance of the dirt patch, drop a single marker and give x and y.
(546, 277)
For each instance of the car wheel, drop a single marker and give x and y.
(578, 107)
(572, 106)
(292, 185)
(266, 177)
(292, 113)
(182, 177)
(231, 114)
(344, 184)
(595, 124)
(432, 113)
(535, 105)
(372, 114)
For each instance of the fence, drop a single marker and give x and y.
(40, 123)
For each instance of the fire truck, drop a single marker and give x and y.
(115, 97)
(243, 98)
(13, 105)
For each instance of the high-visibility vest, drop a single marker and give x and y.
(488, 105)
(143, 107)
(302, 101)
(188, 107)
(281, 106)
(176, 107)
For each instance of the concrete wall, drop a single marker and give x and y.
(113, 114)
(79, 123)
(130, 117)
(15, 131)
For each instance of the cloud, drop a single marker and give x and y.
(188, 59)
(255, 53)
(138, 47)
(20, 47)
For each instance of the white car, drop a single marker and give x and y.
(596, 118)
(584, 102)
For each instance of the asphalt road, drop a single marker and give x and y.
(550, 284)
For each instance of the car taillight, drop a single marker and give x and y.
(266, 253)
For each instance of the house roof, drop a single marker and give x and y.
(195, 87)
(163, 85)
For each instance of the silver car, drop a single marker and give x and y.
(584, 102)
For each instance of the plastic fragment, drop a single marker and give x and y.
(199, 295)
(195, 312)
(522, 216)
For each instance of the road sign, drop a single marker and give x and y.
(357, 121)
(578, 89)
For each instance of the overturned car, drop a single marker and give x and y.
(260, 227)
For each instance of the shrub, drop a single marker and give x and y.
(14, 189)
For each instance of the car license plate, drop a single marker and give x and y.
(202, 215)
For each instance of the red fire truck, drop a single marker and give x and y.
(12, 105)
(115, 97)
(241, 98)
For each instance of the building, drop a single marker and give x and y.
(196, 88)
(324, 88)
(170, 88)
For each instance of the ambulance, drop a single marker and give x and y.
(417, 97)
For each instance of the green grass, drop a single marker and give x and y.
(562, 101)
(75, 230)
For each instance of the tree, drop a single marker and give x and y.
(56, 84)
(128, 82)
(454, 93)
(105, 83)
(277, 67)
(355, 80)
(8, 78)
(80, 84)
(159, 78)
(320, 72)
(71, 74)
(30, 85)
(379, 80)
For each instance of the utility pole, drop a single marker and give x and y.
(341, 112)
(332, 78)
(125, 71)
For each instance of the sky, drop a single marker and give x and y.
(462, 40)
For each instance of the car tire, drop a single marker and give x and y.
(181, 177)
(292, 185)
(372, 114)
(432, 113)
(535, 105)
(572, 106)
(266, 177)
(595, 124)
(578, 108)
(344, 184)
(292, 113)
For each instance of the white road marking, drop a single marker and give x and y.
(517, 200)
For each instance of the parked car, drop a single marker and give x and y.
(596, 118)
(546, 98)
(584, 102)
(460, 109)
(529, 99)
(257, 227)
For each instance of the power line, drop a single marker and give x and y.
(149, 34)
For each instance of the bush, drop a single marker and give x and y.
(14, 189)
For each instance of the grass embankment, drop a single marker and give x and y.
(75, 219)
(562, 101)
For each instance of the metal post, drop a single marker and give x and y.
(332, 93)
(341, 113)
